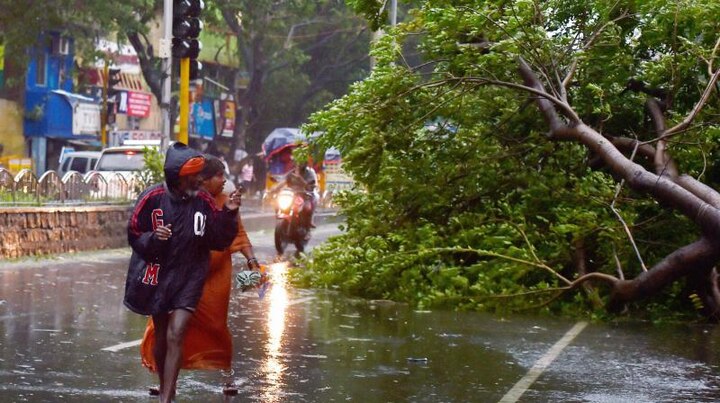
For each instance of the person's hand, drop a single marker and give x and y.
(253, 264)
(234, 201)
(163, 232)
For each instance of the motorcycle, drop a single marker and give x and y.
(290, 228)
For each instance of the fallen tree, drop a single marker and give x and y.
(469, 191)
(695, 200)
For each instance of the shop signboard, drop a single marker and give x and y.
(202, 119)
(135, 137)
(86, 119)
(135, 103)
(224, 115)
(228, 118)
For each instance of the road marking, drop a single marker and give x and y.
(524, 384)
(121, 346)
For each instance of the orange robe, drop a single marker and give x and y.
(207, 344)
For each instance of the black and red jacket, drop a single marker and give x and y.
(170, 274)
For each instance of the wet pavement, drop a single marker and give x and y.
(65, 336)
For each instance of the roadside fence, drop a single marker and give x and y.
(74, 188)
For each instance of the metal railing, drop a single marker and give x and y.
(25, 189)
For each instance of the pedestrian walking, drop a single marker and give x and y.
(247, 175)
(172, 229)
(208, 343)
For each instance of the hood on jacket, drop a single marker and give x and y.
(177, 155)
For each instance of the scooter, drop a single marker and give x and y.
(290, 228)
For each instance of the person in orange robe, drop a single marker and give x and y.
(208, 343)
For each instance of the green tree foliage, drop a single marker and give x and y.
(153, 171)
(298, 55)
(22, 22)
(464, 197)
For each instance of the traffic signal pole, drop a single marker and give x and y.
(184, 99)
(186, 28)
(103, 112)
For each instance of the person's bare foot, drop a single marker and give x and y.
(230, 390)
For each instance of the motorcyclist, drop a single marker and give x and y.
(303, 180)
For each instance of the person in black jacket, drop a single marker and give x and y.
(172, 229)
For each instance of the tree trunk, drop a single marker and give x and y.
(689, 260)
(149, 71)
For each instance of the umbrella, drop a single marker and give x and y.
(280, 139)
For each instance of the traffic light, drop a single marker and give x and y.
(113, 80)
(186, 28)
(185, 46)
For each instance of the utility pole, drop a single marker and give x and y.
(167, 72)
(393, 13)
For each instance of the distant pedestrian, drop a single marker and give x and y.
(208, 343)
(226, 167)
(172, 229)
(247, 175)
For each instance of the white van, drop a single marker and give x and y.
(126, 160)
(80, 161)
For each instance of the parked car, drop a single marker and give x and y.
(125, 161)
(80, 161)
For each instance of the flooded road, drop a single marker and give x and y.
(65, 336)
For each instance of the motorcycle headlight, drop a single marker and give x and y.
(285, 201)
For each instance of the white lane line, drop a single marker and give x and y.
(134, 343)
(122, 346)
(524, 384)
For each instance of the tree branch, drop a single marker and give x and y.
(692, 185)
(662, 188)
(533, 85)
(698, 107)
(664, 164)
(146, 65)
(712, 57)
(680, 263)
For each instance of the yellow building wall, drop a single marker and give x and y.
(11, 134)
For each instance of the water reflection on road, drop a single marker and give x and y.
(278, 302)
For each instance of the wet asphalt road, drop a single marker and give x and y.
(65, 336)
